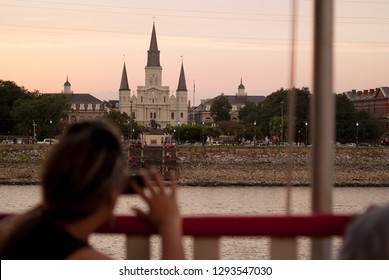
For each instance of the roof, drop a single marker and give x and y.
(182, 82)
(124, 80)
(67, 84)
(241, 86)
(78, 98)
(367, 94)
(153, 52)
(232, 99)
(236, 99)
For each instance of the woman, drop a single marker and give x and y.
(82, 180)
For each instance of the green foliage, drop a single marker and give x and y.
(125, 124)
(272, 109)
(249, 114)
(220, 109)
(45, 110)
(194, 133)
(25, 157)
(9, 94)
(275, 126)
(346, 119)
(231, 128)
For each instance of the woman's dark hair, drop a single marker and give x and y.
(79, 175)
(82, 170)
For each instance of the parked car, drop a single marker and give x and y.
(261, 143)
(48, 141)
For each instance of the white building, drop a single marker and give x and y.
(82, 105)
(152, 103)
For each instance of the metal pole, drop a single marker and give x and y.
(357, 124)
(322, 120)
(306, 134)
(51, 122)
(282, 120)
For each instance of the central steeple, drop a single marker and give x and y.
(153, 52)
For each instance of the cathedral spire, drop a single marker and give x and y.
(124, 81)
(182, 82)
(153, 52)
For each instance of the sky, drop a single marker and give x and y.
(220, 42)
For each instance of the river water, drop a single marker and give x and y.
(222, 201)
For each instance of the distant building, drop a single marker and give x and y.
(202, 113)
(373, 101)
(153, 105)
(82, 105)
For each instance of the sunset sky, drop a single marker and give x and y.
(221, 41)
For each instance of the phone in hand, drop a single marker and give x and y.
(130, 181)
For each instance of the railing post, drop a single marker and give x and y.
(138, 247)
(206, 248)
(283, 249)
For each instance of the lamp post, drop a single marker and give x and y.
(357, 125)
(50, 130)
(33, 129)
(306, 134)
(203, 134)
(282, 120)
(255, 133)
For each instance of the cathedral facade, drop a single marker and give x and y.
(153, 106)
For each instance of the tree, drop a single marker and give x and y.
(9, 94)
(121, 120)
(276, 104)
(125, 124)
(46, 111)
(220, 109)
(249, 114)
(368, 127)
(346, 119)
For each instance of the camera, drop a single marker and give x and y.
(130, 181)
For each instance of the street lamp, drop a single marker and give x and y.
(255, 133)
(357, 125)
(33, 129)
(203, 134)
(306, 134)
(50, 131)
(282, 120)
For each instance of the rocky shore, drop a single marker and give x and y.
(227, 166)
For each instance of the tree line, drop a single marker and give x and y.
(20, 109)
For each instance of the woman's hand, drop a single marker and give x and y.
(163, 212)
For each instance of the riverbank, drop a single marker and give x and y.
(226, 166)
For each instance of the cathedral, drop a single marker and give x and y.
(152, 106)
